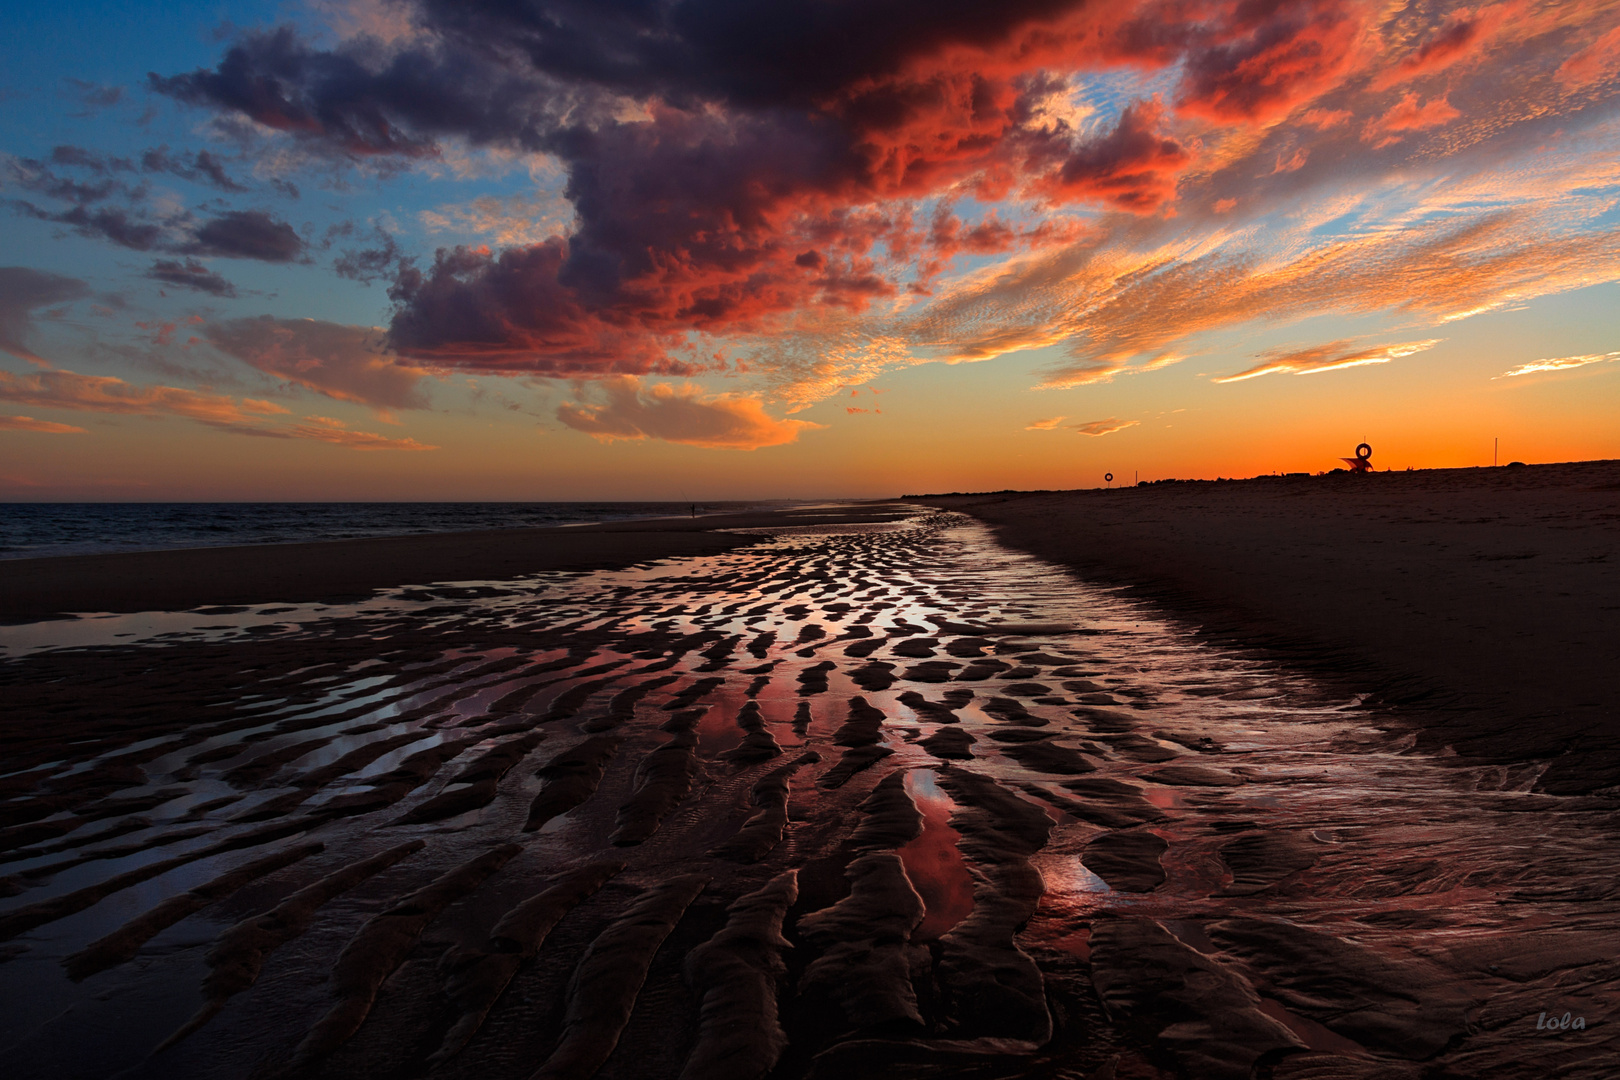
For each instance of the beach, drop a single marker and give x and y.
(1080, 784)
(1482, 603)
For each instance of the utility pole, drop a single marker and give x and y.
(1496, 444)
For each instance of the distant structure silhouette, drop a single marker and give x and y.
(1362, 462)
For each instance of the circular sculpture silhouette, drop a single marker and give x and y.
(1109, 477)
(1363, 451)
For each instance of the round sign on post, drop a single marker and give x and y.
(1108, 477)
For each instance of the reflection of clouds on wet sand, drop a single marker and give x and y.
(990, 787)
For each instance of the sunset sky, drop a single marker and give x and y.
(704, 249)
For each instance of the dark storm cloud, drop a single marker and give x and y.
(765, 123)
(191, 274)
(108, 202)
(201, 167)
(724, 156)
(247, 234)
(366, 264)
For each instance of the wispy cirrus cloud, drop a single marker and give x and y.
(193, 275)
(326, 429)
(625, 408)
(343, 362)
(1334, 356)
(28, 423)
(1560, 363)
(1105, 427)
(23, 292)
(68, 390)
(57, 389)
(1048, 424)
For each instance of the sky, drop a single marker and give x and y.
(718, 249)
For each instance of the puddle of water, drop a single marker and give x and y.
(933, 862)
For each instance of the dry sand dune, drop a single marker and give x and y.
(846, 800)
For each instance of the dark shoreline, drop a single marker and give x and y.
(1481, 604)
(334, 571)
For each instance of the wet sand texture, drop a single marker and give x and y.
(477, 977)
(25, 918)
(662, 780)
(237, 957)
(737, 971)
(382, 945)
(992, 985)
(123, 943)
(1407, 1009)
(866, 957)
(604, 986)
(763, 830)
(475, 786)
(890, 801)
(570, 777)
(1481, 600)
(1210, 1020)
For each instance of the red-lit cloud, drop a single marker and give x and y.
(1463, 34)
(1134, 167)
(1595, 63)
(624, 408)
(823, 190)
(1407, 114)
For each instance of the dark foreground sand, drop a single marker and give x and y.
(882, 800)
(1484, 603)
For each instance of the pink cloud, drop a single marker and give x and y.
(1407, 115)
(326, 429)
(28, 423)
(1595, 62)
(1325, 119)
(57, 389)
(343, 362)
(685, 415)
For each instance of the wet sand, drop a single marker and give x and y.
(1481, 604)
(851, 800)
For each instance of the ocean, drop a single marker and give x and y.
(33, 530)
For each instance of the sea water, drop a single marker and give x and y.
(32, 530)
